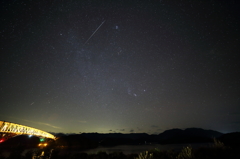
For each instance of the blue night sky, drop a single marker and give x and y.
(120, 66)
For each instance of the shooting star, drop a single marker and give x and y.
(94, 32)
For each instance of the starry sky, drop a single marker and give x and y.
(120, 66)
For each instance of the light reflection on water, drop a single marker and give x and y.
(135, 149)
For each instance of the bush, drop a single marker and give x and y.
(186, 153)
(145, 155)
(218, 144)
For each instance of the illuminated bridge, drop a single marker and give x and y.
(8, 130)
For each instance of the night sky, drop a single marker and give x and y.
(120, 66)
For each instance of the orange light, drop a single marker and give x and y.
(41, 144)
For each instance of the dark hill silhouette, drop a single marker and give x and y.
(75, 142)
(189, 132)
(231, 139)
(170, 134)
(100, 137)
(117, 141)
(190, 135)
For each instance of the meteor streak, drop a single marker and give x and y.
(94, 32)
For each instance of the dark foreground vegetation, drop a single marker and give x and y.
(227, 146)
(216, 151)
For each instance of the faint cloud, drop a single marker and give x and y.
(110, 130)
(122, 130)
(56, 127)
(82, 121)
(131, 131)
(154, 126)
(40, 123)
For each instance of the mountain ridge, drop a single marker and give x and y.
(171, 136)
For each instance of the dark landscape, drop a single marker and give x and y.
(73, 145)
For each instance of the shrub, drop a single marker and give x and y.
(218, 144)
(145, 155)
(186, 153)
